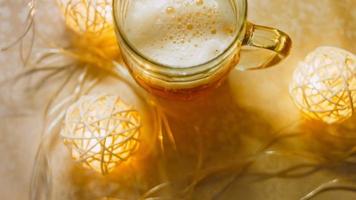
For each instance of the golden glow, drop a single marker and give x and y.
(324, 85)
(87, 15)
(94, 43)
(101, 131)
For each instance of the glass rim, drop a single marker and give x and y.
(181, 70)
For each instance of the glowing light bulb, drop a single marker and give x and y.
(324, 85)
(101, 131)
(87, 15)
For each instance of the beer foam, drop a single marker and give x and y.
(180, 33)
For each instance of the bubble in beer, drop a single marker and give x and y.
(199, 2)
(170, 10)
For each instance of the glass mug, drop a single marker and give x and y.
(188, 82)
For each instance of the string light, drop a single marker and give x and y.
(85, 16)
(324, 85)
(101, 131)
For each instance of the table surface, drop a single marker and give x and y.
(238, 118)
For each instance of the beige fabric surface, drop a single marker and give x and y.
(232, 123)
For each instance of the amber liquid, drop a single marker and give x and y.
(190, 90)
(181, 94)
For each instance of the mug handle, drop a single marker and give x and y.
(271, 39)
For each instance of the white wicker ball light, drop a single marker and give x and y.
(85, 16)
(324, 85)
(101, 131)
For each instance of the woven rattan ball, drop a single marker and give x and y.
(101, 131)
(87, 15)
(324, 85)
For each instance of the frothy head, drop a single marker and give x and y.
(180, 33)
